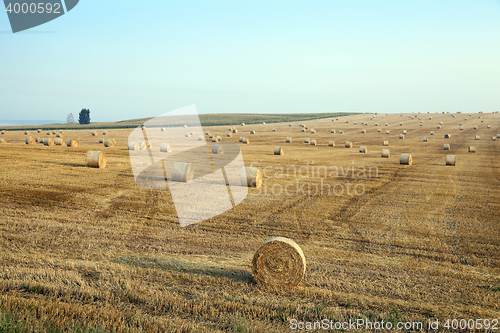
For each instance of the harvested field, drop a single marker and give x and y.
(421, 241)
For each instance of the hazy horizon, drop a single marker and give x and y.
(259, 57)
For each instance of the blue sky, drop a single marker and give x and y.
(125, 59)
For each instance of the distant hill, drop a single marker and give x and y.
(27, 122)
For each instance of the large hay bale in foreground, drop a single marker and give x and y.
(48, 142)
(182, 172)
(348, 144)
(109, 143)
(251, 177)
(279, 151)
(288, 140)
(72, 143)
(331, 143)
(165, 148)
(217, 149)
(385, 143)
(451, 160)
(446, 146)
(472, 149)
(96, 159)
(29, 140)
(278, 263)
(363, 149)
(133, 146)
(405, 159)
(58, 142)
(386, 153)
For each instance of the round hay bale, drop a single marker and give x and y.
(440, 123)
(109, 143)
(242, 124)
(386, 153)
(49, 133)
(251, 177)
(94, 133)
(274, 129)
(488, 126)
(288, 140)
(39, 131)
(214, 139)
(447, 136)
(27, 133)
(229, 134)
(498, 136)
(446, 146)
(306, 127)
(207, 133)
(401, 136)
(3, 141)
(218, 138)
(332, 131)
(475, 127)
(96, 159)
(438, 127)
(165, 148)
(461, 128)
(341, 132)
(313, 142)
(379, 130)
(210, 136)
(187, 135)
(451, 160)
(133, 146)
(29, 140)
(477, 137)
(278, 263)
(425, 139)
(58, 142)
(72, 143)
(472, 149)
(101, 140)
(386, 124)
(252, 132)
(191, 133)
(348, 144)
(405, 159)
(182, 172)
(363, 149)
(432, 132)
(38, 138)
(241, 139)
(313, 131)
(385, 143)
(263, 123)
(400, 124)
(235, 131)
(143, 145)
(217, 150)
(404, 132)
(59, 135)
(363, 131)
(387, 132)
(246, 141)
(185, 126)
(494, 138)
(331, 143)
(302, 130)
(48, 142)
(306, 140)
(279, 151)
(200, 137)
(163, 129)
(290, 125)
(3, 131)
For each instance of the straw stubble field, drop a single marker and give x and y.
(85, 245)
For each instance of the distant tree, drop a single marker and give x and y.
(70, 119)
(84, 117)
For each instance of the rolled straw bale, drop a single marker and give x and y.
(200, 137)
(218, 138)
(432, 132)
(363, 131)
(387, 132)
(288, 140)
(217, 150)
(48, 142)
(54, 132)
(251, 177)
(143, 145)
(72, 143)
(405, 159)
(27, 133)
(165, 148)
(306, 127)
(96, 159)
(477, 137)
(341, 132)
(229, 134)
(472, 149)
(111, 143)
(3, 131)
(313, 131)
(379, 130)
(252, 132)
(386, 153)
(290, 125)
(241, 139)
(114, 140)
(425, 139)
(38, 138)
(210, 136)
(348, 144)
(498, 136)
(465, 119)
(58, 142)
(400, 124)
(207, 133)
(185, 126)
(447, 136)
(446, 146)
(263, 123)
(438, 127)
(376, 124)
(94, 133)
(3, 141)
(187, 135)
(182, 172)
(279, 151)
(230, 129)
(461, 128)
(385, 143)
(451, 160)
(331, 143)
(313, 142)
(49, 133)
(302, 130)
(306, 140)
(242, 124)
(459, 124)
(29, 140)
(214, 139)
(440, 123)
(386, 124)
(489, 126)
(401, 136)
(133, 146)
(39, 131)
(101, 140)
(363, 149)
(163, 129)
(404, 132)
(59, 135)
(332, 131)
(274, 129)
(475, 127)
(235, 131)
(355, 123)
(191, 133)
(278, 263)
(246, 141)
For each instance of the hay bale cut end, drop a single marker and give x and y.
(447, 136)
(251, 177)
(386, 153)
(348, 144)
(288, 140)
(472, 149)
(331, 143)
(29, 140)
(446, 146)
(363, 149)
(217, 150)
(143, 145)
(165, 148)
(109, 143)
(451, 160)
(72, 143)
(96, 159)
(48, 142)
(182, 172)
(279, 151)
(252, 132)
(405, 159)
(278, 263)
(133, 146)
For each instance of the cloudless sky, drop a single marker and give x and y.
(131, 59)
